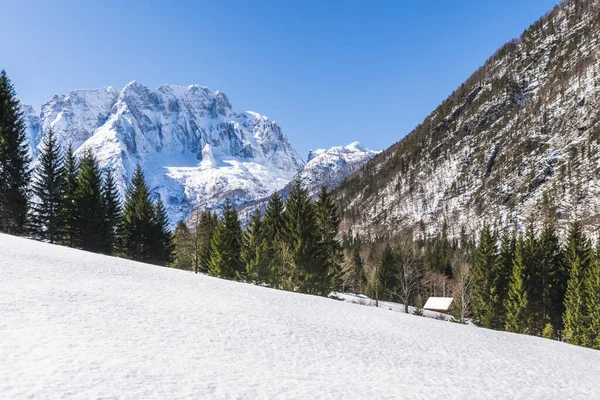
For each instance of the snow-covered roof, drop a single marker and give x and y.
(438, 303)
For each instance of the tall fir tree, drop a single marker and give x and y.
(68, 211)
(225, 259)
(386, 277)
(255, 251)
(354, 278)
(328, 222)
(204, 232)
(49, 189)
(301, 238)
(273, 226)
(578, 258)
(591, 287)
(184, 247)
(14, 161)
(517, 318)
(485, 259)
(502, 275)
(112, 206)
(553, 279)
(136, 232)
(161, 236)
(90, 215)
(534, 281)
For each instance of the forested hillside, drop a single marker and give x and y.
(519, 139)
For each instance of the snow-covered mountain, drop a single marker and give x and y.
(519, 139)
(195, 149)
(327, 167)
(330, 167)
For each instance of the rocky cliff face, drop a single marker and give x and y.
(195, 149)
(519, 139)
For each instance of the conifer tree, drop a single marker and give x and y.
(49, 189)
(502, 274)
(273, 226)
(578, 254)
(273, 219)
(90, 216)
(591, 287)
(68, 211)
(136, 233)
(301, 237)
(14, 161)
(205, 230)
(534, 277)
(184, 247)
(517, 318)
(255, 251)
(553, 278)
(485, 258)
(386, 279)
(354, 278)
(112, 205)
(225, 259)
(161, 237)
(328, 222)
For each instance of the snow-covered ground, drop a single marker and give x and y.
(80, 325)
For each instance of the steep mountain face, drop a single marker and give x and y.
(195, 149)
(327, 167)
(519, 139)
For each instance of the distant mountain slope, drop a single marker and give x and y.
(83, 325)
(519, 139)
(327, 167)
(194, 148)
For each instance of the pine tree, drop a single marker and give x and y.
(485, 259)
(328, 222)
(112, 205)
(501, 276)
(354, 278)
(225, 259)
(255, 251)
(591, 299)
(49, 189)
(90, 216)
(161, 237)
(301, 237)
(553, 279)
(578, 254)
(14, 161)
(273, 226)
(68, 211)
(204, 234)
(184, 247)
(534, 281)
(136, 232)
(517, 318)
(386, 278)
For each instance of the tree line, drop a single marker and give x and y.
(291, 246)
(532, 284)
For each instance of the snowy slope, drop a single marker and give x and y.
(195, 149)
(79, 325)
(327, 167)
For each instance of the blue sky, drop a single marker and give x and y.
(329, 72)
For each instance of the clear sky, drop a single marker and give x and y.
(329, 72)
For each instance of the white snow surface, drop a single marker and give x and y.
(79, 325)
